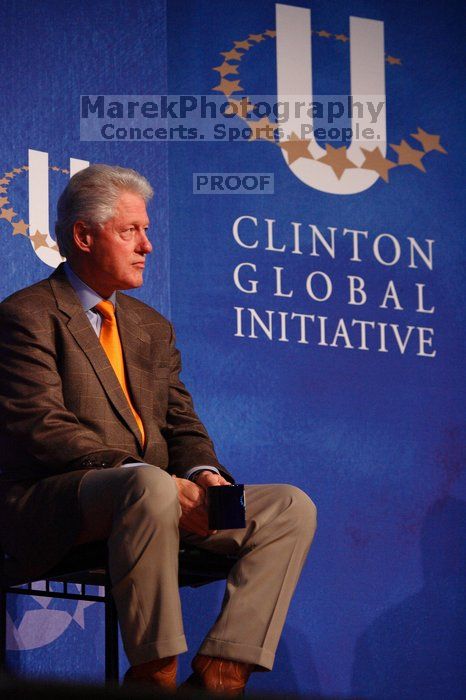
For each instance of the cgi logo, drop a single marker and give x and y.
(35, 228)
(293, 121)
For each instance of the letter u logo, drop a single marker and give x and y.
(38, 184)
(294, 82)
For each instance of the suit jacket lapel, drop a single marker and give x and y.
(82, 331)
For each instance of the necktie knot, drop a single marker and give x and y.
(106, 310)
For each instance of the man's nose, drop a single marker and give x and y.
(144, 244)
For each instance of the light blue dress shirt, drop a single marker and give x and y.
(89, 299)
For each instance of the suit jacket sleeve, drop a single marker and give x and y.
(32, 408)
(188, 442)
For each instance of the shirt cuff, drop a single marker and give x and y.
(191, 472)
(135, 464)
(188, 475)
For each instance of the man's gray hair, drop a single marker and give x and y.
(91, 196)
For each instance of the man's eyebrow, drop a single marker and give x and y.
(134, 224)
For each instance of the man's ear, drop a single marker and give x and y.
(82, 236)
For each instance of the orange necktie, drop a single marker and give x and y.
(110, 341)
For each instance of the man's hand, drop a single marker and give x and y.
(207, 478)
(192, 499)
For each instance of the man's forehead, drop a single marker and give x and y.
(130, 204)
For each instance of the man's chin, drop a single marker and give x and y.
(133, 282)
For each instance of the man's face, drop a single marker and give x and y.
(117, 253)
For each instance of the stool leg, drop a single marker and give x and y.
(111, 639)
(3, 599)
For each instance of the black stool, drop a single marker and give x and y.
(86, 565)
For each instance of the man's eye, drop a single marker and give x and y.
(127, 234)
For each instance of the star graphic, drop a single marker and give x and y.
(17, 170)
(323, 33)
(3, 201)
(228, 86)
(232, 55)
(54, 167)
(296, 148)
(341, 37)
(393, 61)
(240, 107)
(337, 160)
(42, 601)
(3, 189)
(25, 167)
(78, 616)
(261, 129)
(4, 181)
(271, 33)
(8, 214)
(408, 155)
(375, 161)
(10, 174)
(226, 69)
(430, 142)
(20, 227)
(256, 37)
(246, 45)
(38, 239)
(65, 171)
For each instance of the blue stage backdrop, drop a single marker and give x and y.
(308, 247)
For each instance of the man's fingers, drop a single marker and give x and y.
(192, 500)
(189, 504)
(196, 520)
(189, 493)
(206, 479)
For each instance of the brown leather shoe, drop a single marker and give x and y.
(159, 672)
(220, 676)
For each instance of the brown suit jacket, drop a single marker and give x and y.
(63, 412)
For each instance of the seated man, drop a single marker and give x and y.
(100, 440)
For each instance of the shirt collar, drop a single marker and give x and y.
(87, 296)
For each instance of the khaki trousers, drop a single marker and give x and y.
(137, 510)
